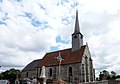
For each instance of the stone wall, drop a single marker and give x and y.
(77, 75)
(104, 82)
(64, 72)
(114, 82)
(87, 66)
(28, 74)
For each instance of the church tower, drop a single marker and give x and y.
(77, 37)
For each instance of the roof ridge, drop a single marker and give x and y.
(37, 59)
(59, 50)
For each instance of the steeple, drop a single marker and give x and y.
(77, 29)
(77, 37)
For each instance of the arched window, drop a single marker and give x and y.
(70, 71)
(40, 71)
(27, 74)
(50, 72)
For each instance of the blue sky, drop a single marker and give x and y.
(31, 28)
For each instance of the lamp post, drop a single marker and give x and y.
(59, 58)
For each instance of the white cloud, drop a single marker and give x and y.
(99, 6)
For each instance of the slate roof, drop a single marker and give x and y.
(68, 55)
(32, 65)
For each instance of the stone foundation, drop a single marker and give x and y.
(104, 82)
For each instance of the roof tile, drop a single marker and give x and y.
(68, 55)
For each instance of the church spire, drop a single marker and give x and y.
(77, 37)
(77, 29)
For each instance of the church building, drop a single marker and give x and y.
(73, 65)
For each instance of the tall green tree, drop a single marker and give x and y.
(105, 75)
(113, 73)
(10, 75)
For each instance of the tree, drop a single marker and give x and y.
(104, 75)
(100, 76)
(10, 74)
(113, 73)
(1, 76)
(118, 76)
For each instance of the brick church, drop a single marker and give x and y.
(73, 65)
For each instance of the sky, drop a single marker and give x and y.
(31, 28)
